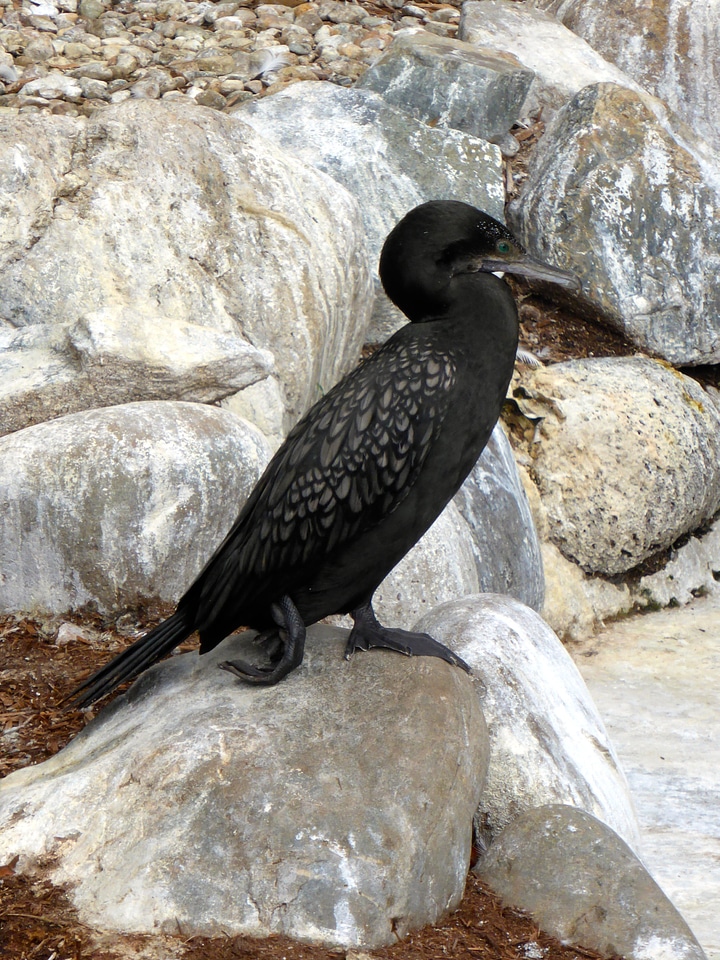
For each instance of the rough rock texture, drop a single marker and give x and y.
(119, 504)
(201, 802)
(580, 882)
(388, 160)
(628, 458)
(218, 229)
(547, 741)
(562, 63)
(575, 603)
(505, 543)
(614, 197)
(693, 570)
(447, 83)
(484, 541)
(671, 47)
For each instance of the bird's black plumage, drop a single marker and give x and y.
(368, 469)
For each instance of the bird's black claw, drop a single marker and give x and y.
(286, 645)
(368, 634)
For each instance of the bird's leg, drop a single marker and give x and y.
(368, 633)
(287, 645)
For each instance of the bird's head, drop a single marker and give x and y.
(438, 243)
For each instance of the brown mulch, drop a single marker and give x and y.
(37, 920)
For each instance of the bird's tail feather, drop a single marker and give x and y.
(138, 657)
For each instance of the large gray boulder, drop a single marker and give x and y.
(448, 83)
(138, 245)
(387, 159)
(581, 883)
(628, 458)
(670, 48)
(613, 196)
(121, 504)
(335, 807)
(547, 741)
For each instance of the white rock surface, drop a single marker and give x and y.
(495, 505)
(119, 504)
(440, 567)
(218, 229)
(116, 355)
(547, 741)
(655, 679)
(628, 458)
(335, 807)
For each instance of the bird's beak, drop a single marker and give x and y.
(527, 266)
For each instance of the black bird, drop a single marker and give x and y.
(368, 469)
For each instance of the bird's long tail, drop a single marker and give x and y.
(138, 657)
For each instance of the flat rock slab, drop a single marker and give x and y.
(655, 680)
(335, 807)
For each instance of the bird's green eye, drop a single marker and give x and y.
(503, 246)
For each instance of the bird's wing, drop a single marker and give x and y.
(347, 464)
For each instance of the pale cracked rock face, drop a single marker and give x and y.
(628, 458)
(334, 807)
(218, 229)
(614, 197)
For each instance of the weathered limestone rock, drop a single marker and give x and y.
(388, 160)
(693, 570)
(447, 83)
(628, 458)
(119, 504)
(575, 603)
(581, 883)
(218, 229)
(547, 741)
(562, 63)
(669, 46)
(335, 807)
(614, 197)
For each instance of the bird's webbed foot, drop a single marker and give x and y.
(367, 633)
(285, 647)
